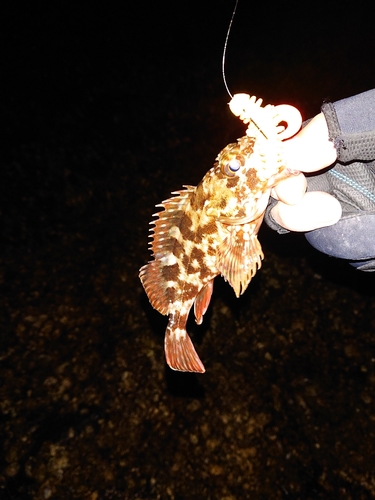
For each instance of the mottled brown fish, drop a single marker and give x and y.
(212, 228)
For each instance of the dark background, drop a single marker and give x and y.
(105, 110)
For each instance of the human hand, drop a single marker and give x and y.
(335, 203)
(309, 151)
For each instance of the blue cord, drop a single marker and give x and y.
(353, 184)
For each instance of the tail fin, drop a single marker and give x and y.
(180, 352)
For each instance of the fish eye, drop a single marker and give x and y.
(232, 166)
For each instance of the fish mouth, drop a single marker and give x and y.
(236, 220)
(248, 218)
(253, 213)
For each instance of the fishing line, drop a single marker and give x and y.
(223, 65)
(225, 50)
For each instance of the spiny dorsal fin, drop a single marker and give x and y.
(154, 275)
(174, 209)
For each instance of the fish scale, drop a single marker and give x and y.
(211, 229)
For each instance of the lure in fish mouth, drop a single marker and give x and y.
(212, 228)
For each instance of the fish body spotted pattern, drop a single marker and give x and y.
(212, 228)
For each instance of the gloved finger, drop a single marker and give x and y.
(316, 209)
(290, 190)
(310, 150)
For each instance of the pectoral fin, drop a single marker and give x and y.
(239, 257)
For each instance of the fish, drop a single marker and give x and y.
(211, 229)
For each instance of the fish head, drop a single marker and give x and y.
(238, 187)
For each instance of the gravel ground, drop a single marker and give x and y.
(104, 113)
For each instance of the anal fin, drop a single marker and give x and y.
(202, 301)
(180, 352)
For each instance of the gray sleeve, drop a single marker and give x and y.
(351, 125)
